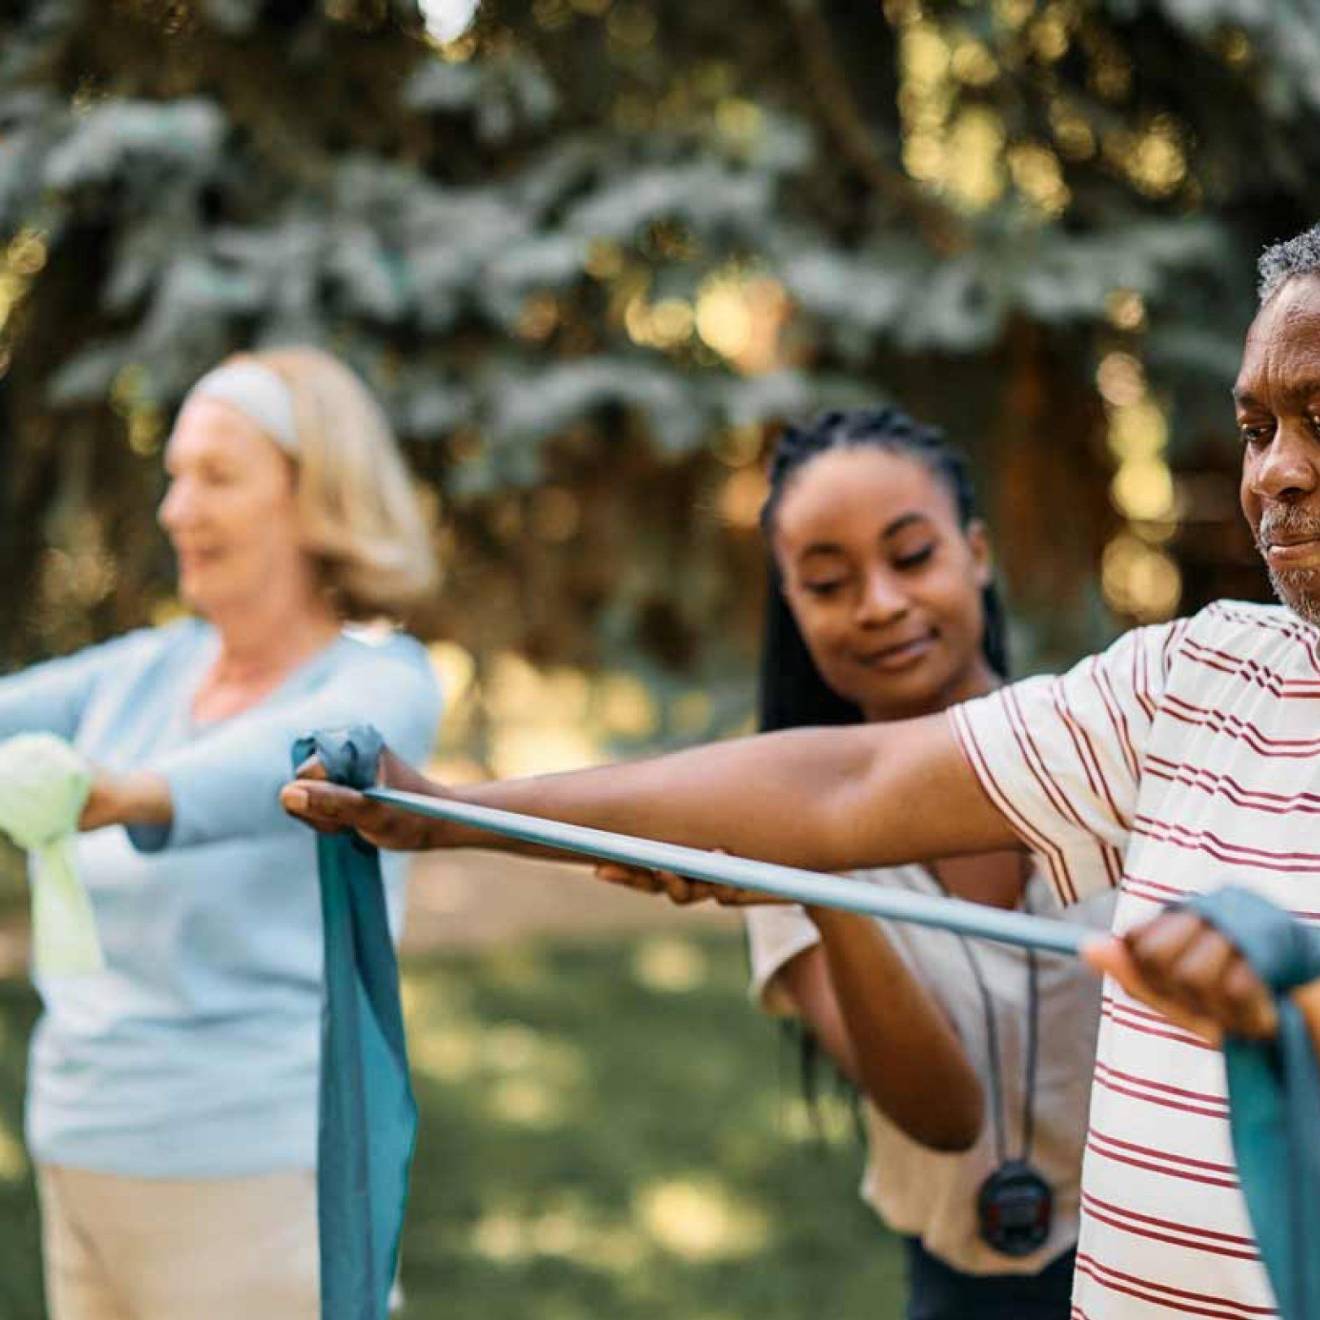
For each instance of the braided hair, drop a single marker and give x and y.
(792, 691)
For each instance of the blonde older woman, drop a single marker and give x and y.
(172, 1097)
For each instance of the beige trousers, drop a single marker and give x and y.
(119, 1248)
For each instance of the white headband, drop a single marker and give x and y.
(258, 393)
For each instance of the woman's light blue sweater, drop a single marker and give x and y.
(194, 1054)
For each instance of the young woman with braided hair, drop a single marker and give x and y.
(881, 607)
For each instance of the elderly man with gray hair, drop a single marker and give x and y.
(1185, 756)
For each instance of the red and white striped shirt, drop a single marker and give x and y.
(1185, 757)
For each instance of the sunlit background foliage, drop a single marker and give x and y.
(592, 252)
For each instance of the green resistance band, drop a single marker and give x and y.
(814, 887)
(44, 784)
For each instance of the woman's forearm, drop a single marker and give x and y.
(905, 1054)
(137, 798)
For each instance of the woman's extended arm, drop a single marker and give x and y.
(50, 697)
(226, 781)
(831, 799)
(885, 1032)
(138, 798)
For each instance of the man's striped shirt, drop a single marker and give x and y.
(1185, 757)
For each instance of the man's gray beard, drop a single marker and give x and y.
(1297, 588)
(1300, 592)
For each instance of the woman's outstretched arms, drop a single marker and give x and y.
(829, 799)
(224, 782)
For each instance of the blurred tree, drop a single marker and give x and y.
(589, 250)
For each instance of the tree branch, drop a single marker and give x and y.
(853, 135)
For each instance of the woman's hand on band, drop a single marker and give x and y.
(331, 808)
(679, 889)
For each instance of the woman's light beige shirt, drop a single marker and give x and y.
(923, 1193)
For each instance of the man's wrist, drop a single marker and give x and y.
(1307, 998)
(439, 833)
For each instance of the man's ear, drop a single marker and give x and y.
(978, 538)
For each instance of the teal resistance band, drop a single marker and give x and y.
(955, 914)
(1274, 1098)
(367, 1119)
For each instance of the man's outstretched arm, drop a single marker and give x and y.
(828, 799)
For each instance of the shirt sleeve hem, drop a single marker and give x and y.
(1050, 852)
(763, 989)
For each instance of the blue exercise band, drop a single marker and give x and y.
(955, 914)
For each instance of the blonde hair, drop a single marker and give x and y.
(359, 513)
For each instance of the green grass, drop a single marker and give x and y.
(609, 1132)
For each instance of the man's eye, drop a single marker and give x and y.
(1255, 435)
(823, 588)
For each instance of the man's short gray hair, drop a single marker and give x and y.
(1287, 260)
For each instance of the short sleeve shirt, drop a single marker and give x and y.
(930, 1194)
(1185, 757)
